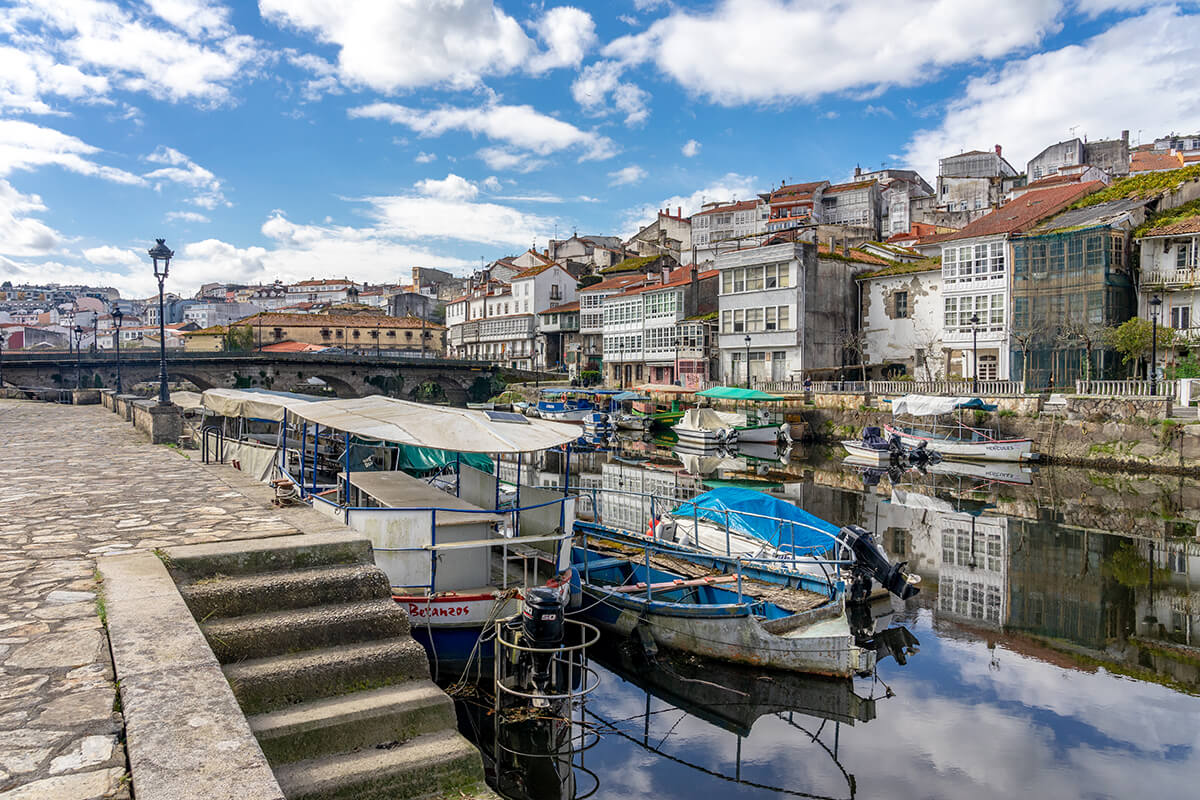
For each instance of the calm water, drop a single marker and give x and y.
(1059, 655)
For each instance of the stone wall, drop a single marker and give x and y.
(161, 424)
(1099, 409)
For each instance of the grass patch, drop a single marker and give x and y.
(1006, 413)
(163, 557)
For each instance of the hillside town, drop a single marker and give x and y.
(993, 271)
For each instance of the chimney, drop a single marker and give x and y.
(666, 274)
(857, 171)
(1125, 137)
(678, 212)
(997, 149)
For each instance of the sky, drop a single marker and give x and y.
(292, 139)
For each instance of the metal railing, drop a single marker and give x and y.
(1126, 388)
(949, 388)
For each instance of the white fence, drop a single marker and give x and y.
(952, 388)
(1129, 388)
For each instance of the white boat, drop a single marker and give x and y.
(943, 432)
(488, 406)
(456, 562)
(565, 405)
(856, 448)
(598, 424)
(705, 428)
(753, 424)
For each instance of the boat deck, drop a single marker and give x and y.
(794, 600)
(390, 489)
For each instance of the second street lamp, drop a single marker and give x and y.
(1155, 302)
(78, 347)
(117, 317)
(974, 353)
(1, 359)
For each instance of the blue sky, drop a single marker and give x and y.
(301, 138)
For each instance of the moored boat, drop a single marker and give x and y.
(753, 424)
(720, 616)
(705, 428)
(941, 431)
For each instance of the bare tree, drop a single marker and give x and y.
(1088, 335)
(927, 348)
(1025, 337)
(854, 345)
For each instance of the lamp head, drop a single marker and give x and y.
(160, 252)
(1156, 301)
(117, 316)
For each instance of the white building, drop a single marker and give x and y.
(728, 226)
(591, 310)
(667, 235)
(974, 182)
(901, 320)
(857, 204)
(322, 291)
(899, 189)
(206, 315)
(1170, 270)
(786, 307)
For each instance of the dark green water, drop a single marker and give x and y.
(1059, 656)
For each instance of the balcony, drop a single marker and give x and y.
(1170, 279)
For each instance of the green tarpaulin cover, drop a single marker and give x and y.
(733, 393)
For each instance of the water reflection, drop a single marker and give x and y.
(1058, 627)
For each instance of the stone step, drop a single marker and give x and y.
(362, 719)
(265, 684)
(278, 591)
(436, 764)
(273, 554)
(295, 630)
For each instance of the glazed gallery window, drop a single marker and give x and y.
(756, 320)
(754, 279)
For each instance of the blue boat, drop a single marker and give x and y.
(722, 616)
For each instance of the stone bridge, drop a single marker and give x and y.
(425, 379)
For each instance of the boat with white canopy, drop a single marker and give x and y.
(751, 424)
(937, 423)
(459, 561)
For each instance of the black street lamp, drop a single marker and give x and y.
(117, 317)
(974, 320)
(1, 359)
(160, 252)
(78, 347)
(1155, 302)
(96, 333)
(747, 361)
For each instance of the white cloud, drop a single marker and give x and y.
(94, 46)
(626, 176)
(425, 158)
(24, 145)
(568, 34)
(1099, 87)
(731, 186)
(506, 159)
(109, 256)
(820, 48)
(691, 148)
(21, 234)
(599, 90)
(519, 127)
(878, 111)
(492, 183)
(186, 216)
(424, 218)
(180, 169)
(452, 187)
(392, 46)
(27, 76)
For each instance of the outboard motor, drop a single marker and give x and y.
(542, 623)
(895, 446)
(921, 455)
(871, 563)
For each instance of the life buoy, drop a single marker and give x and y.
(650, 527)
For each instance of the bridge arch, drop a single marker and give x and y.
(340, 387)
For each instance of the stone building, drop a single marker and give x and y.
(901, 320)
(364, 333)
(973, 183)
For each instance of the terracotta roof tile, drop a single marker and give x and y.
(1180, 228)
(741, 205)
(1022, 213)
(1154, 161)
(337, 321)
(618, 282)
(848, 187)
(562, 309)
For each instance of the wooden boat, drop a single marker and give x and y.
(720, 616)
(944, 433)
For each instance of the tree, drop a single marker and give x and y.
(927, 353)
(1088, 335)
(239, 339)
(854, 344)
(1133, 340)
(1025, 337)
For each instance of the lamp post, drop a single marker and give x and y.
(974, 352)
(78, 347)
(747, 361)
(260, 316)
(1155, 302)
(1, 359)
(117, 317)
(95, 333)
(675, 367)
(161, 253)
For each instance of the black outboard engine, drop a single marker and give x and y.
(542, 623)
(871, 563)
(922, 455)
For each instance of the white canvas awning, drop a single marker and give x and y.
(188, 401)
(253, 405)
(442, 427)
(924, 405)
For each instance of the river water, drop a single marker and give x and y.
(1059, 646)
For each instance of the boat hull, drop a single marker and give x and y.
(994, 450)
(860, 451)
(763, 433)
(821, 642)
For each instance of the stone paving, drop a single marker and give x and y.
(77, 482)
